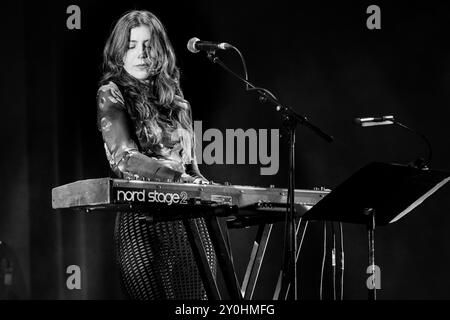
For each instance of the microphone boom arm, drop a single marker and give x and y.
(265, 95)
(430, 151)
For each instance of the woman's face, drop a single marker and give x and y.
(136, 61)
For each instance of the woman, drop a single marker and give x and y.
(146, 126)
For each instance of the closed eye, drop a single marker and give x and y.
(132, 44)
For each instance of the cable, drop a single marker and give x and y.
(342, 258)
(323, 259)
(301, 240)
(265, 91)
(297, 229)
(247, 85)
(243, 64)
(333, 259)
(300, 245)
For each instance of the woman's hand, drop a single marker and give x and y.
(174, 165)
(185, 178)
(201, 181)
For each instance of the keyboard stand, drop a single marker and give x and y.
(223, 252)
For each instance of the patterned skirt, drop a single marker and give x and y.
(156, 261)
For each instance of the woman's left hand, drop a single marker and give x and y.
(200, 181)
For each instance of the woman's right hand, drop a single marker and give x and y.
(185, 178)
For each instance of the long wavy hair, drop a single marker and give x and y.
(161, 92)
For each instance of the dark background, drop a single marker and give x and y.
(318, 58)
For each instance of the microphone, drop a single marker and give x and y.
(374, 121)
(195, 45)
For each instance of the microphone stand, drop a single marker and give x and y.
(290, 120)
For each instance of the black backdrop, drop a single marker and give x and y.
(318, 58)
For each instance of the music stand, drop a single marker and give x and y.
(376, 195)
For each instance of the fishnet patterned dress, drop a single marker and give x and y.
(155, 260)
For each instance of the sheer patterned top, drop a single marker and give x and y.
(130, 154)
